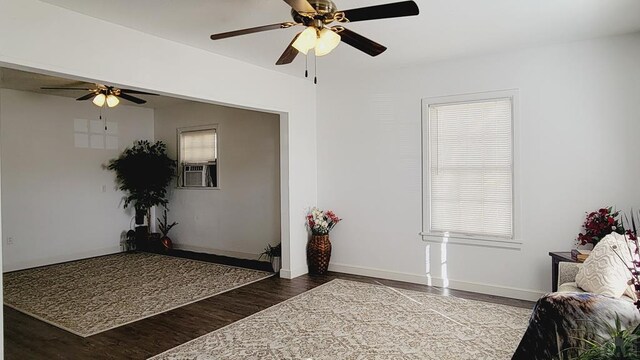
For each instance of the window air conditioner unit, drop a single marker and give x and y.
(195, 175)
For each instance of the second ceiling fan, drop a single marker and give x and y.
(106, 95)
(317, 16)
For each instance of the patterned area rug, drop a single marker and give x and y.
(351, 320)
(93, 295)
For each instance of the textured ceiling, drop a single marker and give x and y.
(444, 29)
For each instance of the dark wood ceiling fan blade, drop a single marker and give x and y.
(301, 6)
(129, 91)
(385, 11)
(64, 88)
(131, 98)
(252, 30)
(86, 97)
(359, 42)
(289, 53)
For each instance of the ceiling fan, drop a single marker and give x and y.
(103, 94)
(317, 16)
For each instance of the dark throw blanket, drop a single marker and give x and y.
(559, 321)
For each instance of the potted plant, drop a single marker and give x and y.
(143, 173)
(165, 227)
(599, 224)
(602, 341)
(274, 254)
(320, 223)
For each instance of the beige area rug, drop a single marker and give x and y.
(351, 320)
(93, 295)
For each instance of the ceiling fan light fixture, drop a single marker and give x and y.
(112, 101)
(100, 99)
(306, 40)
(327, 41)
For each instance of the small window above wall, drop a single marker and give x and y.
(198, 157)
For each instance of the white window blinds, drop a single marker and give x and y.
(198, 146)
(471, 168)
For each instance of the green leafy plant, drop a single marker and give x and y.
(271, 251)
(163, 224)
(617, 344)
(144, 172)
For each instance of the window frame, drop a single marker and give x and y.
(471, 239)
(179, 131)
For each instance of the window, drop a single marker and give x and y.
(469, 168)
(198, 157)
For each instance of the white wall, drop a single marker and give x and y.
(46, 37)
(579, 122)
(243, 215)
(53, 204)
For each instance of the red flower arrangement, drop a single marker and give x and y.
(599, 224)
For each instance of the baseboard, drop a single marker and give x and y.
(291, 274)
(285, 274)
(497, 290)
(504, 291)
(202, 249)
(383, 274)
(21, 265)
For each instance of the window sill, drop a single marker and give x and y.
(196, 188)
(472, 241)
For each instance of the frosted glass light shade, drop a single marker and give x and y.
(112, 101)
(306, 40)
(99, 100)
(327, 41)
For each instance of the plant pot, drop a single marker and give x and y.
(166, 243)
(153, 242)
(276, 263)
(318, 254)
(140, 217)
(142, 237)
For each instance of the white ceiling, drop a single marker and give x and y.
(444, 29)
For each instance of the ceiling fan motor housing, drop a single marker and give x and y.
(325, 10)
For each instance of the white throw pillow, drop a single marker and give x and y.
(604, 272)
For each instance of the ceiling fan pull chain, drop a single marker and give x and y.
(315, 69)
(104, 120)
(306, 66)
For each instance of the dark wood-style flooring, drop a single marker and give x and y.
(28, 338)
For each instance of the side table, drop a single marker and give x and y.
(557, 257)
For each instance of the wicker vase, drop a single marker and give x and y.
(318, 254)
